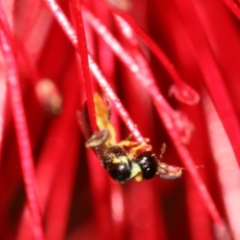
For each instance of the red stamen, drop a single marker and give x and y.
(27, 161)
(233, 6)
(217, 89)
(99, 183)
(54, 171)
(165, 112)
(139, 69)
(214, 63)
(64, 23)
(83, 51)
(116, 102)
(181, 90)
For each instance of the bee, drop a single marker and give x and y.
(123, 160)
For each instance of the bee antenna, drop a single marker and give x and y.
(163, 150)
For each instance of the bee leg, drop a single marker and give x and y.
(140, 148)
(109, 112)
(168, 172)
(98, 139)
(134, 148)
(127, 143)
(129, 137)
(108, 105)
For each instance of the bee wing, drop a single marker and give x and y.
(98, 139)
(106, 134)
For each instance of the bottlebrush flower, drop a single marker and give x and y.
(175, 82)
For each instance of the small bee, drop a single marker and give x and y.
(127, 159)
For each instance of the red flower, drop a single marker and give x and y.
(176, 82)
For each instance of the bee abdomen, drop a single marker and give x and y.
(120, 172)
(117, 164)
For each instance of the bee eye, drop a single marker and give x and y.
(148, 164)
